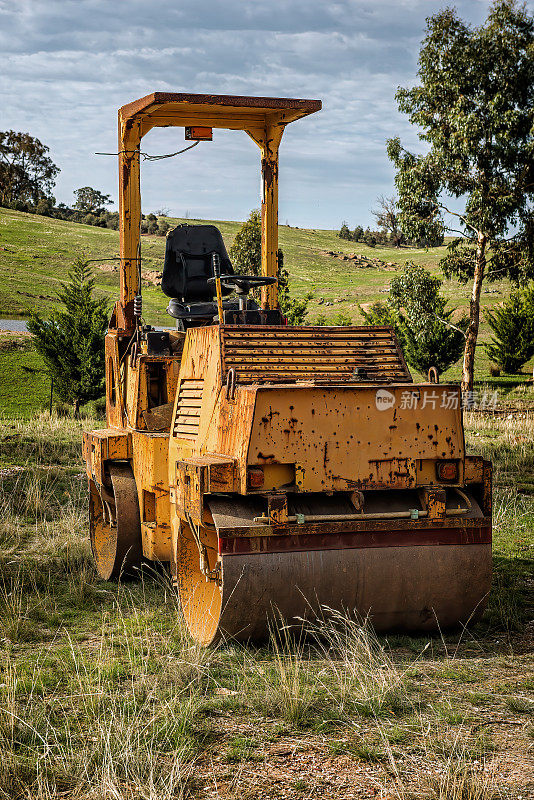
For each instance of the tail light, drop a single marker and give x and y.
(256, 478)
(447, 470)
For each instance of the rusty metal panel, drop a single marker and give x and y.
(191, 485)
(279, 355)
(342, 438)
(188, 406)
(197, 106)
(474, 469)
(198, 476)
(434, 502)
(107, 444)
(150, 465)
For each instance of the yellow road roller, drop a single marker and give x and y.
(275, 469)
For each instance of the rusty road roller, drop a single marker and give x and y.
(276, 469)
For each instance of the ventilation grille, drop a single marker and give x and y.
(273, 355)
(188, 408)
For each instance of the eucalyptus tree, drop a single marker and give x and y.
(475, 114)
(27, 173)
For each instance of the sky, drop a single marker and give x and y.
(68, 65)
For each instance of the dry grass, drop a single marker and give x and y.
(104, 697)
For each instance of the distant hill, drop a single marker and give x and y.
(37, 252)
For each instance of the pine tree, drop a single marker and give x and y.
(71, 342)
(381, 313)
(435, 344)
(512, 344)
(344, 232)
(245, 253)
(421, 320)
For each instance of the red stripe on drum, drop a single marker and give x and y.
(239, 545)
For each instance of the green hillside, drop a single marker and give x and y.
(37, 252)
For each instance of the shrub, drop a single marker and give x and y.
(512, 343)
(71, 342)
(421, 320)
(245, 253)
(430, 338)
(344, 232)
(369, 238)
(381, 313)
(342, 319)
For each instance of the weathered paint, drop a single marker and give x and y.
(319, 410)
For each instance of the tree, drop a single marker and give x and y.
(294, 309)
(344, 232)
(357, 234)
(381, 313)
(245, 252)
(71, 342)
(474, 107)
(512, 343)
(387, 219)
(420, 317)
(91, 201)
(245, 255)
(27, 173)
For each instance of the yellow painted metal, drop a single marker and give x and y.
(321, 415)
(263, 119)
(129, 218)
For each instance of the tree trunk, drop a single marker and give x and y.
(77, 408)
(474, 315)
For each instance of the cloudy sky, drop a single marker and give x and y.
(67, 65)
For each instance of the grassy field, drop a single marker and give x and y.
(103, 696)
(37, 252)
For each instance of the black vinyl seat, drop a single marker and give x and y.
(199, 311)
(187, 268)
(188, 280)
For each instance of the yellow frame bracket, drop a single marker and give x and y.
(262, 118)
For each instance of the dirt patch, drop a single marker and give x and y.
(14, 340)
(152, 277)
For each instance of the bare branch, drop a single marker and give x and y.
(455, 214)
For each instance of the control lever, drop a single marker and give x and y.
(216, 263)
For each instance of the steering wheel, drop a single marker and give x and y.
(244, 283)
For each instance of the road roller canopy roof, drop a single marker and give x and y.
(233, 112)
(262, 118)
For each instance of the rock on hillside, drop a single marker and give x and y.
(361, 261)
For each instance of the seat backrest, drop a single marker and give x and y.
(188, 262)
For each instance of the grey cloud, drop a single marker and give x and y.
(68, 66)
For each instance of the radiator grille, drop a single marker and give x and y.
(188, 408)
(267, 354)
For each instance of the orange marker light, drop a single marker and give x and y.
(256, 478)
(199, 134)
(447, 470)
